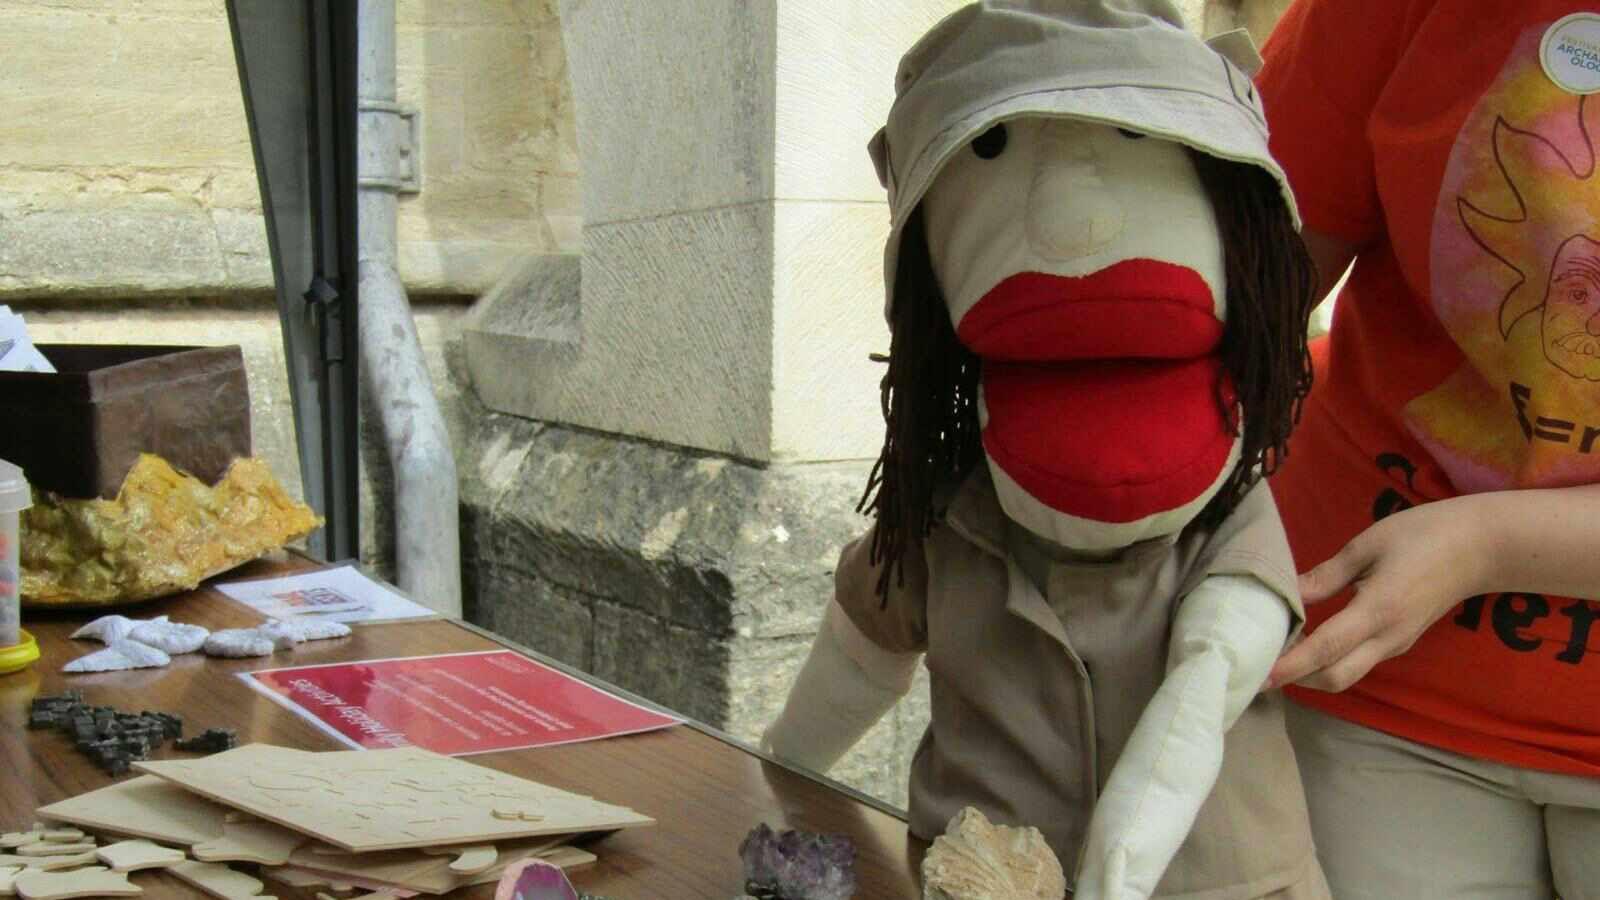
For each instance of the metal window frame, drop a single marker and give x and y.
(297, 72)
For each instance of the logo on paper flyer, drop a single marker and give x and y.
(313, 598)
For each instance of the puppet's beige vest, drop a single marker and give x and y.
(1032, 709)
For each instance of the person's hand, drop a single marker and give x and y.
(1408, 570)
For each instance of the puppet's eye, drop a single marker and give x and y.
(991, 143)
(1131, 135)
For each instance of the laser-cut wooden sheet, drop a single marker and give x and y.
(152, 808)
(364, 800)
(146, 807)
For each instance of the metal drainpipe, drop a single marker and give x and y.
(427, 518)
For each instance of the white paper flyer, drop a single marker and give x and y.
(341, 593)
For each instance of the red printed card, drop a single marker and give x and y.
(457, 704)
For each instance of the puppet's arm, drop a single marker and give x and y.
(845, 687)
(1225, 637)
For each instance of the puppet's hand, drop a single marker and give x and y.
(845, 687)
(1225, 637)
(1408, 569)
(1108, 880)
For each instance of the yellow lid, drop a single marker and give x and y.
(19, 656)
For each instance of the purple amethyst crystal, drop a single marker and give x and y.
(798, 865)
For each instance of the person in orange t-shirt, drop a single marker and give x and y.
(1442, 493)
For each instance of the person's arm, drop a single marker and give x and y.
(844, 688)
(1225, 636)
(1411, 568)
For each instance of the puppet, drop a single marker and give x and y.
(1097, 302)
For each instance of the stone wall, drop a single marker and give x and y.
(126, 169)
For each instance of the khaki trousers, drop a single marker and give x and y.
(1396, 820)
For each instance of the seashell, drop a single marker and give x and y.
(238, 642)
(174, 638)
(302, 629)
(283, 635)
(321, 629)
(123, 654)
(108, 629)
(977, 860)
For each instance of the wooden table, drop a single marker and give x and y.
(704, 790)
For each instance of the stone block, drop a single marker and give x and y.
(677, 336)
(168, 10)
(242, 240)
(513, 132)
(698, 583)
(684, 319)
(457, 207)
(674, 104)
(546, 619)
(108, 251)
(827, 297)
(437, 94)
(231, 188)
(724, 162)
(693, 672)
(459, 267)
(106, 125)
(475, 13)
(835, 83)
(167, 53)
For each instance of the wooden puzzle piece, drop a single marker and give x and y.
(8, 877)
(94, 881)
(14, 839)
(257, 842)
(146, 807)
(414, 870)
(221, 881)
(131, 856)
(52, 848)
(49, 863)
(567, 858)
(63, 835)
(468, 860)
(295, 876)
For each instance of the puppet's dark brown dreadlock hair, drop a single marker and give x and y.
(1271, 291)
(929, 392)
(930, 409)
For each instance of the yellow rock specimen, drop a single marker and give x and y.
(165, 532)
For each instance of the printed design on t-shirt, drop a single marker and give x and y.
(1570, 280)
(1515, 280)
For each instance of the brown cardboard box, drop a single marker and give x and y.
(79, 431)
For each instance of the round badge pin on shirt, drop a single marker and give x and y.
(1570, 53)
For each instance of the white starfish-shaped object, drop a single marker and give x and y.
(123, 654)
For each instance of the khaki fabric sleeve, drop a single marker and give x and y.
(1251, 542)
(898, 622)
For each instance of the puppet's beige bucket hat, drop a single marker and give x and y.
(1128, 63)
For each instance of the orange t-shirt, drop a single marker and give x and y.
(1465, 349)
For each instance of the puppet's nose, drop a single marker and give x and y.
(1070, 212)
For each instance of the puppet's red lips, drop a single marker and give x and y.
(1112, 441)
(1137, 308)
